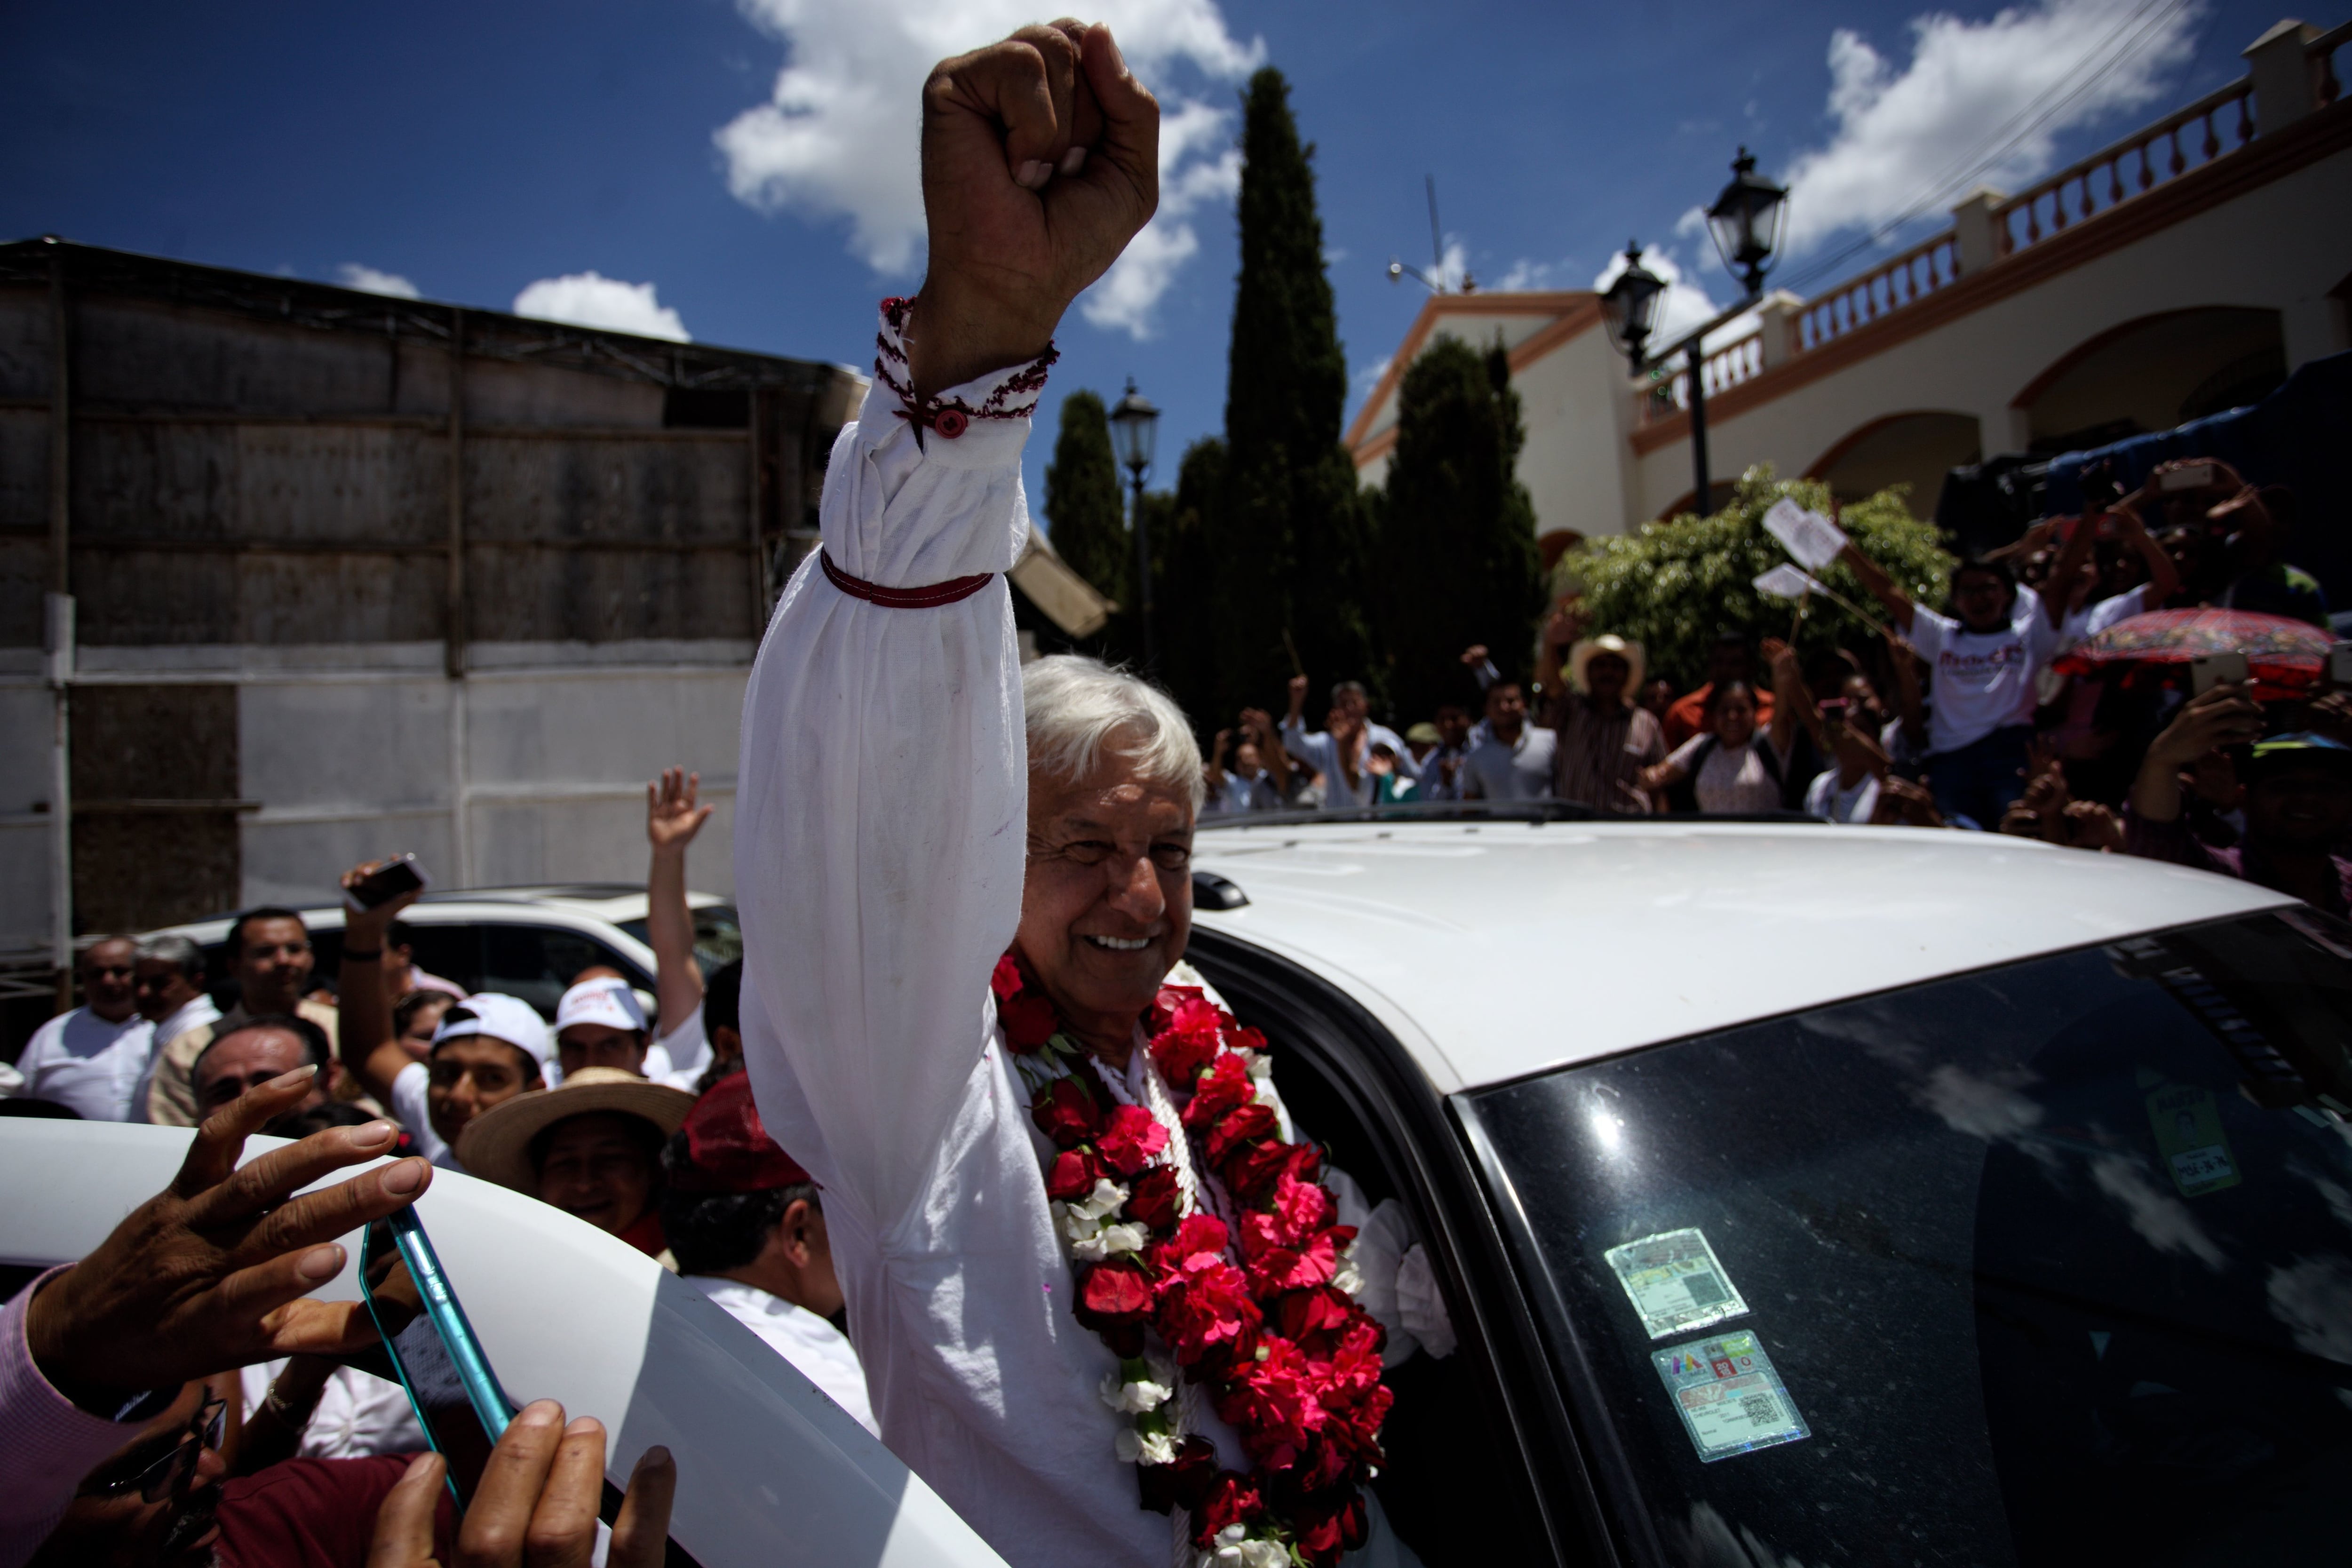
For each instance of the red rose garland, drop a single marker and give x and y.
(1276, 1341)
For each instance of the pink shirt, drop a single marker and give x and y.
(46, 1442)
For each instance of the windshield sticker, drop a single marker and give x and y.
(1731, 1397)
(1675, 1282)
(2188, 1135)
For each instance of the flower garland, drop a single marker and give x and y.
(1275, 1340)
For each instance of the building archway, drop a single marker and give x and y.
(2153, 374)
(1915, 449)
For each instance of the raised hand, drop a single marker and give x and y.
(211, 1272)
(672, 816)
(1475, 655)
(536, 1502)
(1041, 160)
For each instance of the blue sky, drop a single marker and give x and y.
(477, 150)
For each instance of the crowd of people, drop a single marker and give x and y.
(1949, 719)
(642, 1125)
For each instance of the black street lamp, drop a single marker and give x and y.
(1134, 432)
(1746, 222)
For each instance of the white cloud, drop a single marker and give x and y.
(360, 276)
(593, 300)
(838, 136)
(1525, 276)
(1908, 135)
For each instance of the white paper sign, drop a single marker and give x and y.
(1785, 581)
(1809, 536)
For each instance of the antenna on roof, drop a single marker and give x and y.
(1434, 280)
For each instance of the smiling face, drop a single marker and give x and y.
(469, 1074)
(600, 1168)
(1981, 599)
(586, 1045)
(1106, 905)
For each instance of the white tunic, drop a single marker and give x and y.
(816, 1349)
(89, 1063)
(881, 813)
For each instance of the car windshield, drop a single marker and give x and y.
(2048, 1263)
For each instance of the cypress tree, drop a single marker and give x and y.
(1184, 579)
(1084, 515)
(1458, 537)
(1289, 529)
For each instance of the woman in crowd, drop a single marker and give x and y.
(1731, 766)
(591, 1148)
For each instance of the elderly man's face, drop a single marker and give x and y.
(249, 1058)
(597, 1168)
(107, 971)
(161, 989)
(1107, 906)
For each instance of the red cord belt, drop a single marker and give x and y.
(930, 596)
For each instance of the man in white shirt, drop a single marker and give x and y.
(168, 978)
(911, 804)
(93, 1057)
(1512, 759)
(747, 1227)
(1339, 750)
(270, 957)
(1982, 663)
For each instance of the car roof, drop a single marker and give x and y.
(609, 903)
(1494, 950)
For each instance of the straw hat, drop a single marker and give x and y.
(1584, 652)
(496, 1145)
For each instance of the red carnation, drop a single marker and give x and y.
(1184, 1480)
(1293, 1269)
(1152, 1202)
(1200, 1239)
(1246, 1125)
(1207, 1307)
(1233, 1499)
(1073, 1175)
(1007, 981)
(1117, 1291)
(1187, 1042)
(1029, 1020)
(1326, 1535)
(1253, 1172)
(1130, 1139)
(1307, 1316)
(1066, 1112)
(1225, 1085)
(1248, 1040)
(1165, 1003)
(1272, 1402)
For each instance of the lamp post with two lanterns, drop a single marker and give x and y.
(1134, 433)
(1746, 223)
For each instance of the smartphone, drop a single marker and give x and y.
(2188, 477)
(2207, 671)
(437, 1359)
(387, 881)
(2339, 664)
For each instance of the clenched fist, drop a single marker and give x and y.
(1041, 160)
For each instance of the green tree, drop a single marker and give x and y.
(1457, 546)
(1674, 586)
(1289, 529)
(1184, 581)
(1085, 514)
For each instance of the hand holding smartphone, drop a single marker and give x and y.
(399, 875)
(2207, 671)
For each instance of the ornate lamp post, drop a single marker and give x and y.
(1134, 432)
(1746, 223)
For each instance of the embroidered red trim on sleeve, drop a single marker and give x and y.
(1014, 397)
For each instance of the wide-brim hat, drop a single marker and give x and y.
(496, 1145)
(1588, 649)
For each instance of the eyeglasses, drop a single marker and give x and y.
(168, 1476)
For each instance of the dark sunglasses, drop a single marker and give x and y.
(168, 1476)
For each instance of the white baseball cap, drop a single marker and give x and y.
(507, 1018)
(605, 1001)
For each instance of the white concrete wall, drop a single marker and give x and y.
(2280, 247)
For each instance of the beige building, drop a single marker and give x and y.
(2184, 269)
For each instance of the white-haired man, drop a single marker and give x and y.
(961, 888)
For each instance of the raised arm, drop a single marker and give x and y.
(1792, 702)
(2058, 602)
(881, 801)
(1874, 578)
(1258, 726)
(363, 1035)
(1294, 722)
(672, 819)
(2163, 575)
(2223, 716)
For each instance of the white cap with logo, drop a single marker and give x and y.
(507, 1018)
(608, 1001)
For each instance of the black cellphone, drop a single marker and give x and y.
(386, 882)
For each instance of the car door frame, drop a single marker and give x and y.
(1431, 1154)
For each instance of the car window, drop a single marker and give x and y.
(2050, 1263)
(717, 937)
(537, 962)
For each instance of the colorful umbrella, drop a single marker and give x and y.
(2284, 655)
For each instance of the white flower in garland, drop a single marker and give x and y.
(1134, 1396)
(1347, 1276)
(1136, 1447)
(1107, 1241)
(1234, 1549)
(1108, 1198)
